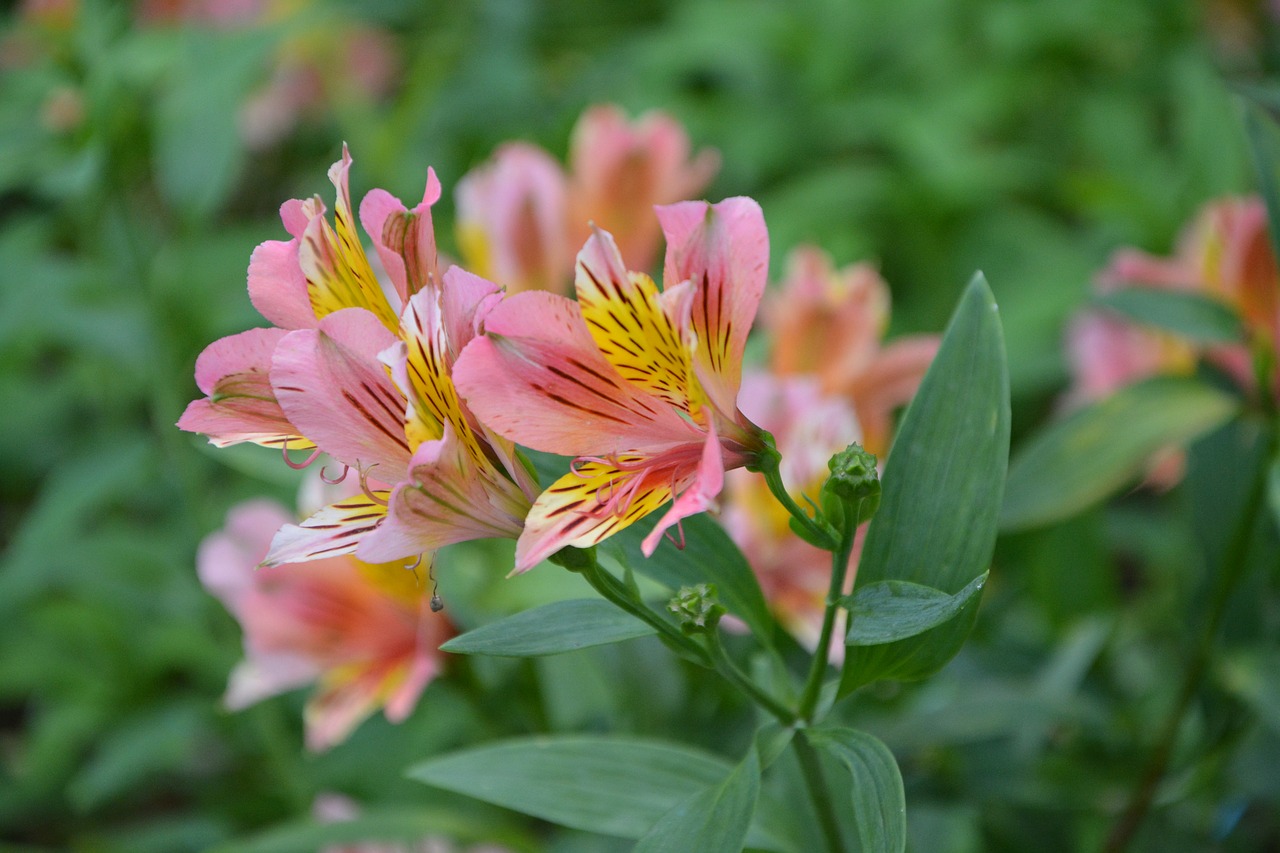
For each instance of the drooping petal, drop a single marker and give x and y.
(405, 239)
(624, 314)
(589, 504)
(241, 406)
(698, 496)
(267, 674)
(538, 378)
(332, 386)
(335, 529)
(347, 695)
(334, 263)
(448, 498)
(724, 250)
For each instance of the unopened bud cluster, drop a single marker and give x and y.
(697, 608)
(851, 494)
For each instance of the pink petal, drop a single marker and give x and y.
(724, 250)
(336, 529)
(332, 386)
(538, 379)
(465, 302)
(241, 405)
(227, 558)
(447, 499)
(405, 239)
(699, 496)
(265, 674)
(277, 287)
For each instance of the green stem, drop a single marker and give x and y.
(735, 676)
(1233, 566)
(839, 569)
(614, 591)
(823, 533)
(815, 781)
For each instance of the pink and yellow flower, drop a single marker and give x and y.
(362, 372)
(363, 632)
(640, 386)
(830, 323)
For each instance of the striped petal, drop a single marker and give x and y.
(537, 378)
(333, 388)
(724, 250)
(334, 263)
(624, 314)
(447, 499)
(241, 404)
(335, 529)
(698, 496)
(589, 504)
(404, 239)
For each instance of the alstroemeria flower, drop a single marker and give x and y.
(513, 220)
(639, 386)
(809, 428)
(829, 323)
(296, 283)
(363, 632)
(620, 169)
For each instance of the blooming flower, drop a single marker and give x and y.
(808, 428)
(640, 386)
(362, 631)
(829, 324)
(521, 218)
(366, 381)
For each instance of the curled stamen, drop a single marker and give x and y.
(681, 543)
(298, 466)
(577, 461)
(437, 604)
(414, 565)
(336, 480)
(364, 485)
(601, 500)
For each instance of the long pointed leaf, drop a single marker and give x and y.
(879, 803)
(561, 626)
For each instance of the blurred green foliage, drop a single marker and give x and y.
(1027, 139)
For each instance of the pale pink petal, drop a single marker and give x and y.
(241, 406)
(332, 386)
(1129, 266)
(538, 379)
(465, 302)
(227, 558)
(344, 700)
(724, 250)
(336, 529)
(447, 498)
(698, 496)
(266, 674)
(405, 239)
(277, 287)
(296, 213)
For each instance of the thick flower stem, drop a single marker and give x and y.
(786, 716)
(813, 684)
(1233, 566)
(815, 781)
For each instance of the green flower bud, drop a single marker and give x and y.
(851, 494)
(697, 608)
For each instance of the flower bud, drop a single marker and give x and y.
(851, 494)
(697, 608)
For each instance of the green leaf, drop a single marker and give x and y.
(709, 556)
(561, 626)
(1100, 448)
(1273, 489)
(887, 611)
(609, 785)
(714, 820)
(941, 490)
(879, 804)
(1188, 315)
(1264, 142)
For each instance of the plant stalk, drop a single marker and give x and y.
(815, 781)
(839, 569)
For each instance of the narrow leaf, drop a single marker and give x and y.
(879, 804)
(714, 820)
(1273, 489)
(942, 486)
(708, 556)
(888, 611)
(613, 786)
(1263, 132)
(561, 626)
(1189, 315)
(1100, 448)
(376, 826)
